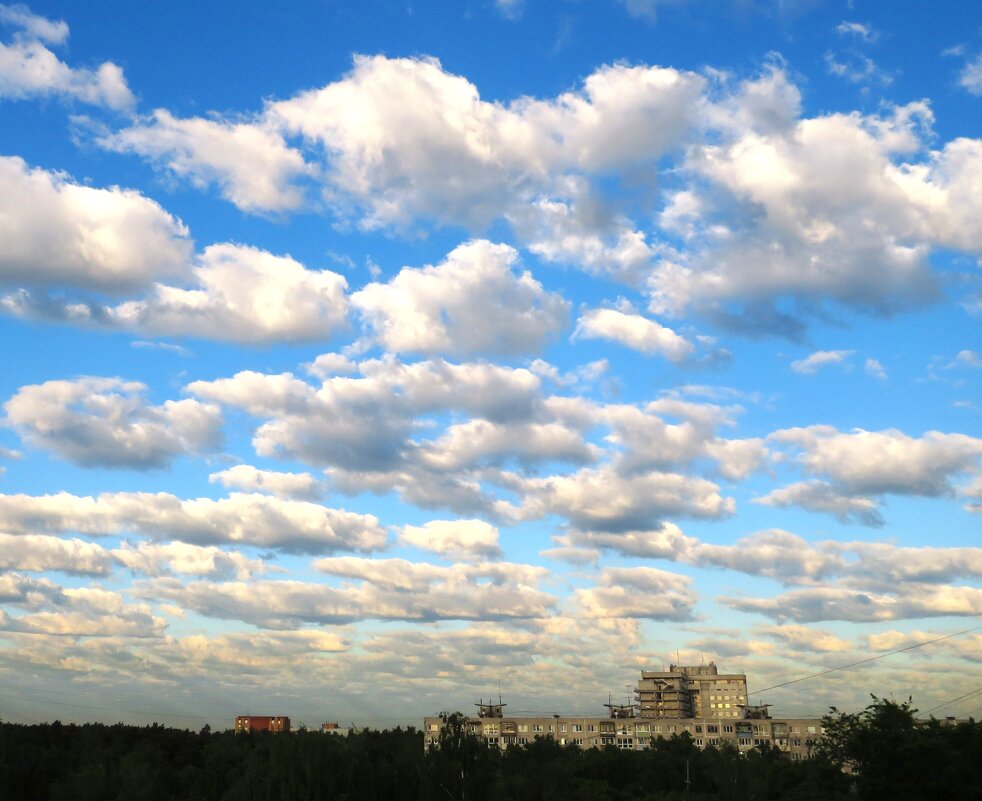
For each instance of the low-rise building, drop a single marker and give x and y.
(698, 701)
(246, 723)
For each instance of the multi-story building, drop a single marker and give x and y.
(244, 723)
(699, 701)
(685, 691)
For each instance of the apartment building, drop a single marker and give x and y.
(246, 723)
(710, 707)
(691, 691)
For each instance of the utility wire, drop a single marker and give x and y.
(864, 661)
(953, 700)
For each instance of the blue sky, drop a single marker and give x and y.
(363, 357)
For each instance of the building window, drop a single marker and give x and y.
(523, 727)
(698, 729)
(577, 727)
(537, 727)
(562, 727)
(728, 729)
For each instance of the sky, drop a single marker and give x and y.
(364, 360)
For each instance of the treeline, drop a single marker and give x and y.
(880, 754)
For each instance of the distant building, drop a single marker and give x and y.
(246, 723)
(696, 700)
(335, 729)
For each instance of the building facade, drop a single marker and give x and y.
(246, 723)
(698, 701)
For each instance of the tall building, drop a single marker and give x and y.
(691, 691)
(245, 723)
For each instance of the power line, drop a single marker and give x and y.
(863, 661)
(953, 700)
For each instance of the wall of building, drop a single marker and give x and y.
(795, 736)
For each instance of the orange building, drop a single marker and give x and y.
(245, 723)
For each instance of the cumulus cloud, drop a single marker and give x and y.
(473, 302)
(602, 499)
(812, 363)
(833, 603)
(362, 427)
(284, 485)
(161, 559)
(841, 208)
(387, 589)
(37, 553)
(56, 232)
(456, 539)
(820, 496)
(238, 294)
(863, 463)
(245, 295)
(252, 165)
(405, 139)
(634, 331)
(88, 612)
(107, 422)
(639, 592)
(30, 69)
(245, 519)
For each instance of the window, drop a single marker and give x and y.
(671, 729)
(523, 727)
(728, 729)
(811, 729)
(712, 729)
(699, 741)
(562, 727)
(577, 727)
(592, 727)
(434, 727)
(698, 729)
(537, 727)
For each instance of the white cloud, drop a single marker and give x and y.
(384, 589)
(970, 77)
(283, 485)
(863, 31)
(877, 462)
(811, 364)
(812, 605)
(37, 553)
(405, 139)
(89, 612)
(602, 499)
(250, 162)
(471, 303)
(819, 496)
(245, 519)
(836, 208)
(29, 69)
(875, 369)
(107, 422)
(634, 331)
(639, 592)
(58, 232)
(155, 559)
(457, 539)
(243, 295)
(34, 26)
